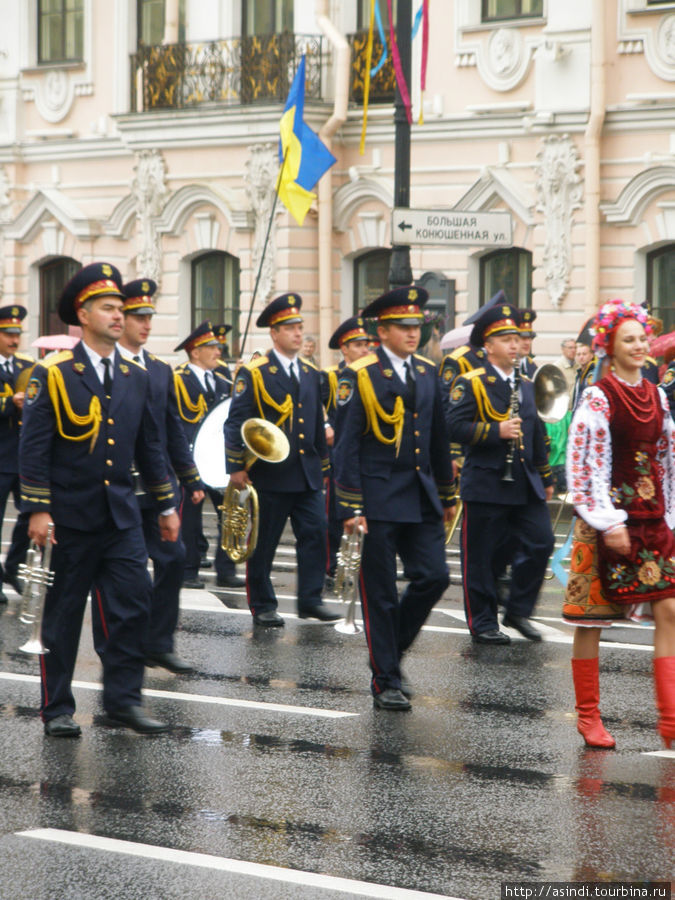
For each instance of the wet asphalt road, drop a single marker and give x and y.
(279, 779)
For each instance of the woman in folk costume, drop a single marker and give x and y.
(621, 472)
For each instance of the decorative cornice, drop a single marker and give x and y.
(49, 202)
(631, 203)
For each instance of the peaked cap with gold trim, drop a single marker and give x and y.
(11, 318)
(139, 295)
(496, 320)
(352, 329)
(99, 279)
(202, 336)
(403, 306)
(283, 310)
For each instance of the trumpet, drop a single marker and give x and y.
(347, 575)
(38, 577)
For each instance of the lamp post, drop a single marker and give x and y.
(400, 273)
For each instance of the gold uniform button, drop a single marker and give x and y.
(299, 405)
(301, 421)
(301, 451)
(417, 434)
(106, 483)
(301, 436)
(415, 415)
(111, 440)
(108, 462)
(417, 468)
(111, 421)
(417, 449)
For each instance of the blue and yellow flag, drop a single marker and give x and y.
(306, 156)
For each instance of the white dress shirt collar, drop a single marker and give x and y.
(398, 363)
(95, 359)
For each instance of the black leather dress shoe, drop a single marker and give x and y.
(269, 619)
(234, 581)
(3, 596)
(193, 583)
(205, 563)
(406, 687)
(491, 637)
(62, 726)
(392, 698)
(320, 612)
(170, 661)
(135, 717)
(523, 625)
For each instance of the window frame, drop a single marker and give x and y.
(70, 267)
(512, 17)
(227, 314)
(63, 57)
(362, 259)
(484, 290)
(652, 257)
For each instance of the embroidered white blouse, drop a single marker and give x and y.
(589, 462)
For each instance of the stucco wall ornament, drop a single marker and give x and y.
(150, 192)
(262, 169)
(665, 40)
(504, 51)
(559, 192)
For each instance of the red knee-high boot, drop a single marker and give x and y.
(664, 682)
(586, 675)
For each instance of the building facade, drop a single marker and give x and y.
(144, 132)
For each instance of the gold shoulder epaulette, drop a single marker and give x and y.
(473, 373)
(367, 360)
(256, 363)
(648, 358)
(307, 362)
(424, 359)
(55, 358)
(24, 357)
(460, 351)
(181, 367)
(134, 363)
(332, 368)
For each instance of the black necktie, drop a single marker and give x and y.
(107, 377)
(409, 383)
(295, 384)
(137, 359)
(8, 367)
(210, 387)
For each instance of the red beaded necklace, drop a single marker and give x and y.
(640, 400)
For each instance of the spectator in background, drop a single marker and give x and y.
(567, 362)
(309, 349)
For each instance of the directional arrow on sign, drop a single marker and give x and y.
(404, 225)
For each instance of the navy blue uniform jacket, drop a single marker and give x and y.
(191, 399)
(263, 390)
(81, 485)
(470, 423)
(177, 454)
(10, 416)
(369, 474)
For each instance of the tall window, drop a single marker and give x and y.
(54, 276)
(371, 277)
(60, 30)
(215, 293)
(266, 16)
(661, 285)
(363, 15)
(151, 21)
(510, 271)
(493, 10)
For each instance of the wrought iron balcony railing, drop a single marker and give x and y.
(383, 84)
(238, 71)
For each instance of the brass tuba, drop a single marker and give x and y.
(239, 519)
(551, 393)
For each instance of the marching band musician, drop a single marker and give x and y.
(504, 520)
(353, 341)
(200, 384)
(393, 478)
(168, 557)
(526, 362)
(87, 417)
(283, 388)
(11, 405)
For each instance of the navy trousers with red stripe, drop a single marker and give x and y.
(494, 534)
(114, 562)
(391, 625)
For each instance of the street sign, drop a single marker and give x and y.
(451, 228)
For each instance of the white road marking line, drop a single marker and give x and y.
(203, 698)
(664, 754)
(223, 864)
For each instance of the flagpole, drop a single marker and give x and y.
(262, 255)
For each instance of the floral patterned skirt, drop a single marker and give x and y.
(604, 587)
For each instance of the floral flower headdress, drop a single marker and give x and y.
(610, 316)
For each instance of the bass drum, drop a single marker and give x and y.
(208, 449)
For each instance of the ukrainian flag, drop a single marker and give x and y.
(306, 156)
